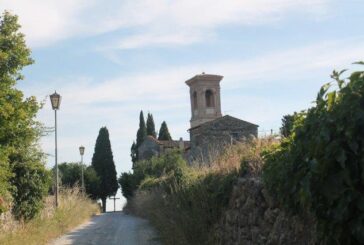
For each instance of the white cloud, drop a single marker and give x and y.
(152, 22)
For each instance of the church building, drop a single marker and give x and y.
(210, 131)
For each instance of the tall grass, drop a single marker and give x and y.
(185, 207)
(74, 209)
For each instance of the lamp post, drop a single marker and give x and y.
(56, 101)
(82, 151)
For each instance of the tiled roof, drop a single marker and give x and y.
(221, 118)
(169, 143)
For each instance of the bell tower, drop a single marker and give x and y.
(205, 98)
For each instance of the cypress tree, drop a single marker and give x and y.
(133, 153)
(151, 126)
(164, 132)
(141, 135)
(142, 131)
(103, 163)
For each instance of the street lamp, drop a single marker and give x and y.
(56, 101)
(82, 151)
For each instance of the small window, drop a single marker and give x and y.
(195, 100)
(209, 97)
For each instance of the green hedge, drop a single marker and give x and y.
(320, 168)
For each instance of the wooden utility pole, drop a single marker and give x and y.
(114, 198)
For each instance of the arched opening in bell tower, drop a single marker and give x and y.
(209, 97)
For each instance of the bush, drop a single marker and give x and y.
(169, 163)
(184, 210)
(31, 182)
(127, 184)
(5, 197)
(288, 123)
(320, 167)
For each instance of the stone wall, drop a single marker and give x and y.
(210, 139)
(148, 149)
(254, 218)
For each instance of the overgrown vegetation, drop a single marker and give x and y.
(185, 202)
(24, 180)
(319, 168)
(74, 208)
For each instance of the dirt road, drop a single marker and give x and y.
(111, 229)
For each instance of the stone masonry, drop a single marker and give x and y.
(253, 218)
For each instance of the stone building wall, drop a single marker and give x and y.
(210, 139)
(148, 149)
(254, 218)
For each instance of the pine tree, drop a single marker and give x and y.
(164, 132)
(103, 163)
(151, 126)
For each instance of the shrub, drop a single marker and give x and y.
(288, 123)
(184, 212)
(127, 184)
(169, 163)
(31, 182)
(320, 167)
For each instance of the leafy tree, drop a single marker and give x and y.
(103, 163)
(70, 174)
(288, 123)
(128, 184)
(92, 182)
(151, 126)
(164, 132)
(22, 171)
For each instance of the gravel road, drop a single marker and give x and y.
(111, 229)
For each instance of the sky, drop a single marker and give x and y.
(111, 59)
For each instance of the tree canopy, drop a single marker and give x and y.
(164, 132)
(142, 131)
(70, 175)
(140, 137)
(103, 163)
(22, 170)
(151, 126)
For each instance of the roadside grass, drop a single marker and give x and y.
(74, 209)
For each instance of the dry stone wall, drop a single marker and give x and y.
(254, 218)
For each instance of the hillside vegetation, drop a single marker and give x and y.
(316, 170)
(184, 202)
